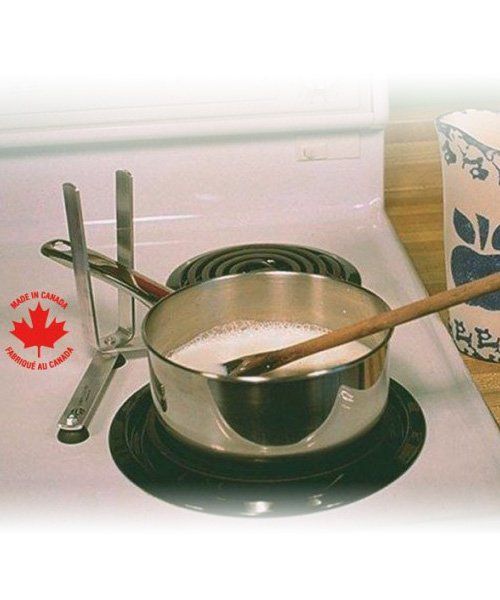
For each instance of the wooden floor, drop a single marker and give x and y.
(414, 203)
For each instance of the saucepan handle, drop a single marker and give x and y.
(138, 285)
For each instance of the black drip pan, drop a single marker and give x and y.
(156, 461)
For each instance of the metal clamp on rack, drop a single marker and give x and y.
(107, 350)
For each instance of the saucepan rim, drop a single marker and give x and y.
(260, 378)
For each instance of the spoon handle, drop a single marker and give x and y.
(268, 361)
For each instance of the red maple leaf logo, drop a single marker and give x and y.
(39, 335)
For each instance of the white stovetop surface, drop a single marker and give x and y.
(456, 476)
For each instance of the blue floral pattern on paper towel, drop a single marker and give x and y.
(467, 265)
(479, 343)
(479, 160)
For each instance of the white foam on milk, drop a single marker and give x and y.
(209, 350)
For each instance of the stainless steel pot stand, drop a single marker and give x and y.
(108, 350)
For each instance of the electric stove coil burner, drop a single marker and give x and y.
(155, 460)
(261, 257)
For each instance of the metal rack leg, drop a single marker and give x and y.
(74, 421)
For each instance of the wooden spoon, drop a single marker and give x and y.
(263, 362)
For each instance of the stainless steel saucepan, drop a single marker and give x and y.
(254, 416)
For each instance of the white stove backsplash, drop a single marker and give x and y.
(249, 180)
